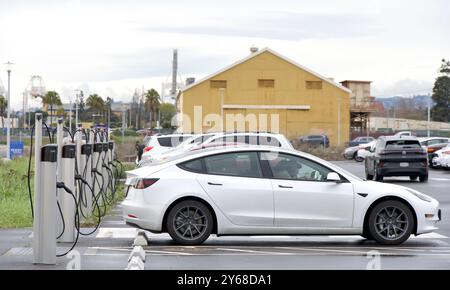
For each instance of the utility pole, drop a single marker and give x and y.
(339, 121)
(222, 94)
(429, 116)
(124, 111)
(8, 124)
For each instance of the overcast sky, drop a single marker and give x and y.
(111, 47)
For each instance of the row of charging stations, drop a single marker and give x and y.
(74, 179)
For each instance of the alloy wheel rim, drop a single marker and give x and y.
(391, 223)
(190, 222)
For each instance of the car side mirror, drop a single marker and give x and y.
(333, 177)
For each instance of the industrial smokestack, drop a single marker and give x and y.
(173, 90)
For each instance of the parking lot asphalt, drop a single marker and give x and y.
(109, 248)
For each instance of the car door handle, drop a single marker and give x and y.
(284, 186)
(212, 183)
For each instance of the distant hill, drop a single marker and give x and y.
(418, 101)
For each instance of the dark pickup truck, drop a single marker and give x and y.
(397, 156)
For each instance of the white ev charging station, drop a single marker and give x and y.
(44, 224)
(71, 179)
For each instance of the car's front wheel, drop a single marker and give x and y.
(391, 222)
(189, 222)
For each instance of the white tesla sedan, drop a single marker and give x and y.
(256, 190)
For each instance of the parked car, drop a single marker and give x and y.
(252, 138)
(404, 134)
(208, 139)
(397, 156)
(429, 141)
(259, 190)
(360, 140)
(315, 141)
(157, 144)
(437, 157)
(351, 152)
(363, 151)
(445, 161)
(433, 144)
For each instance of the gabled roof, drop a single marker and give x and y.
(266, 49)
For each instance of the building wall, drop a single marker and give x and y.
(289, 90)
(360, 96)
(397, 124)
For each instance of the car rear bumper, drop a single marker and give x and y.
(141, 214)
(402, 171)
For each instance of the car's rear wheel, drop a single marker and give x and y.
(391, 222)
(423, 178)
(189, 222)
(413, 178)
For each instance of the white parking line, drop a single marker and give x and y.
(118, 233)
(440, 179)
(319, 249)
(252, 251)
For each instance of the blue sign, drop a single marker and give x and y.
(16, 149)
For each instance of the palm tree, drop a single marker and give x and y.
(95, 103)
(152, 103)
(51, 98)
(3, 106)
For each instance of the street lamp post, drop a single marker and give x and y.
(8, 124)
(77, 96)
(70, 116)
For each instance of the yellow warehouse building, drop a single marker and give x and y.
(267, 92)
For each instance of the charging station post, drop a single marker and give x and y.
(66, 201)
(44, 223)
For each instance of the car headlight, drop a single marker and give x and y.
(419, 195)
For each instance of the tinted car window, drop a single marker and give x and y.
(245, 164)
(402, 144)
(268, 141)
(193, 165)
(285, 166)
(165, 141)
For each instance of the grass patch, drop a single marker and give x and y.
(15, 206)
(331, 153)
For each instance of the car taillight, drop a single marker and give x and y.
(145, 182)
(148, 148)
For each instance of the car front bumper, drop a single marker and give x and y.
(425, 222)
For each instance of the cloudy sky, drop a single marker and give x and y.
(112, 47)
